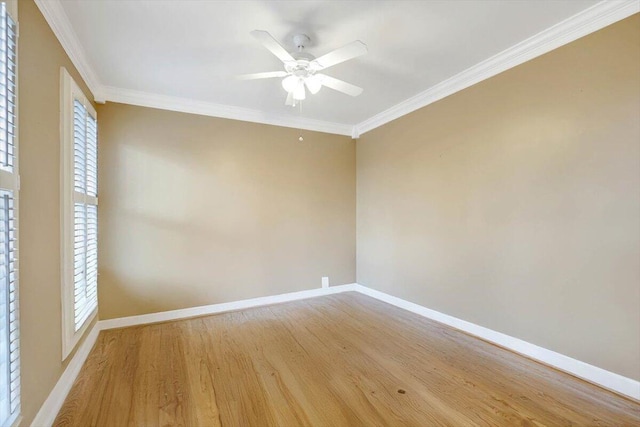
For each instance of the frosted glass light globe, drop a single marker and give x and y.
(314, 83)
(289, 83)
(299, 92)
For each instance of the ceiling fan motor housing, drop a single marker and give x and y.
(301, 41)
(301, 67)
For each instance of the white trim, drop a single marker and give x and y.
(590, 373)
(12, 8)
(609, 380)
(186, 105)
(204, 310)
(17, 421)
(579, 25)
(56, 17)
(51, 406)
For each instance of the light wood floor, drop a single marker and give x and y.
(340, 360)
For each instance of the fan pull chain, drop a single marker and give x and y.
(301, 139)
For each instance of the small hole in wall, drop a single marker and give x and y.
(401, 391)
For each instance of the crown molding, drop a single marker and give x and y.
(583, 23)
(57, 19)
(186, 105)
(579, 25)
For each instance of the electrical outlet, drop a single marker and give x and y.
(325, 282)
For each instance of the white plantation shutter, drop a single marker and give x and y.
(9, 313)
(85, 264)
(80, 212)
(9, 351)
(85, 245)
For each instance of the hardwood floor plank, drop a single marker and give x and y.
(174, 398)
(339, 360)
(146, 380)
(195, 341)
(236, 378)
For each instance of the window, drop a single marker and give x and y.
(9, 183)
(79, 212)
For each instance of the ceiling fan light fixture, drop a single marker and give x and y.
(290, 83)
(300, 67)
(314, 84)
(299, 93)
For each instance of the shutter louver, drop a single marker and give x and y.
(9, 311)
(9, 350)
(92, 251)
(79, 264)
(7, 90)
(79, 146)
(92, 157)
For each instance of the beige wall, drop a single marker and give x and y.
(197, 210)
(40, 57)
(514, 204)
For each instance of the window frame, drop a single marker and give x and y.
(69, 93)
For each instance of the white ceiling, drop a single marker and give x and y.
(192, 49)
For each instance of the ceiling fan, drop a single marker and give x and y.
(301, 69)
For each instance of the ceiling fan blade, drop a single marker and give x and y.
(350, 51)
(339, 85)
(270, 43)
(267, 75)
(290, 101)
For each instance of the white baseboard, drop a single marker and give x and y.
(598, 376)
(590, 373)
(204, 310)
(51, 406)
